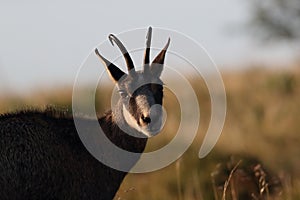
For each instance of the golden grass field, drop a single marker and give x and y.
(256, 157)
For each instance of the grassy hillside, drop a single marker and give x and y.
(257, 156)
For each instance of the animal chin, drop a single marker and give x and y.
(150, 132)
(146, 131)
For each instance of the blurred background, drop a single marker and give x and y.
(255, 45)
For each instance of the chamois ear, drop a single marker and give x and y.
(115, 73)
(158, 62)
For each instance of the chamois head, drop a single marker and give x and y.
(141, 91)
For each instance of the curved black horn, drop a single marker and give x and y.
(129, 62)
(147, 50)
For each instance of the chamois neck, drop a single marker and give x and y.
(119, 119)
(110, 124)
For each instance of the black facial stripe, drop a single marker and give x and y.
(156, 91)
(153, 93)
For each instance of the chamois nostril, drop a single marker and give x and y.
(146, 120)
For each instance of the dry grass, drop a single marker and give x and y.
(262, 123)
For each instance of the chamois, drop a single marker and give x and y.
(42, 156)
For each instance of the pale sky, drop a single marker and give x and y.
(43, 43)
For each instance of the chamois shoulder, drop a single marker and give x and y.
(49, 111)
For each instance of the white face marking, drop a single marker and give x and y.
(133, 123)
(142, 103)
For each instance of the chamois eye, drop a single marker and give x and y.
(123, 93)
